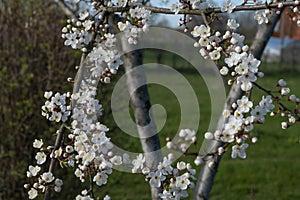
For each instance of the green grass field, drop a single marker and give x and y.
(271, 170)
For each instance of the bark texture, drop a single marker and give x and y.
(141, 106)
(207, 173)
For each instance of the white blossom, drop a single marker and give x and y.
(224, 71)
(71, 40)
(83, 15)
(175, 8)
(232, 24)
(169, 145)
(198, 161)
(47, 177)
(285, 91)
(138, 163)
(281, 83)
(87, 24)
(239, 150)
(228, 7)
(208, 136)
(187, 134)
(107, 197)
(182, 181)
(126, 159)
(38, 143)
(100, 178)
(32, 193)
(40, 157)
(258, 113)
(33, 171)
(284, 125)
(48, 95)
(165, 166)
(244, 105)
(233, 125)
(292, 119)
(215, 55)
(166, 195)
(181, 165)
(293, 98)
(266, 103)
(116, 160)
(202, 31)
(156, 178)
(261, 17)
(233, 59)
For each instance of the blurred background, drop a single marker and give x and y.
(33, 59)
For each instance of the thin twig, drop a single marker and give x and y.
(91, 190)
(189, 153)
(204, 19)
(58, 142)
(274, 97)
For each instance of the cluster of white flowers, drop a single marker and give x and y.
(242, 66)
(296, 15)
(91, 150)
(34, 172)
(175, 180)
(240, 123)
(55, 108)
(88, 148)
(291, 115)
(91, 145)
(105, 56)
(135, 24)
(78, 33)
(262, 16)
(239, 150)
(186, 138)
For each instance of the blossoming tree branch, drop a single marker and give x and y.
(82, 142)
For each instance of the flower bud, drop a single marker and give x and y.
(281, 83)
(169, 145)
(284, 125)
(208, 136)
(221, 150)
(198, 161)
(284, 91)
(254, 139)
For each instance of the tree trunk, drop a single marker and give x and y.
(140, 103)
(207, 173)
